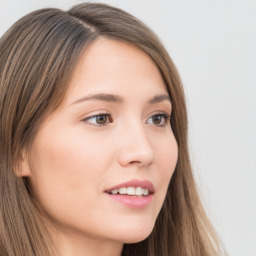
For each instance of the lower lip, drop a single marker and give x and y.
(133, 201)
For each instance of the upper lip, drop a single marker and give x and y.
(135, 183)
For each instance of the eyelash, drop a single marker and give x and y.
(164, 117)
(110, 120)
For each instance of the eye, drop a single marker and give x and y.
(160, 119)
(99, 119)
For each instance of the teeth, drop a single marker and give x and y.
(139, 191)
(145, 192)
(122, 191)
(115, 191)
(132, 191)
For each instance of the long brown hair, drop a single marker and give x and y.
(37, 58)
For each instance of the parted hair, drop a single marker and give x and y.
(38, 56)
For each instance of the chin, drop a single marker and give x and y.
(138, 234)
(136, 238)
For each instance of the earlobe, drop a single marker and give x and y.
(22, 168)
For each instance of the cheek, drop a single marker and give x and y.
(66, 153)
(66, 168)
(166, 160)
(66, 175)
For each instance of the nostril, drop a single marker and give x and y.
(135, 162)
(140, 163)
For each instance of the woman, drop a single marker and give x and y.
(94, 157)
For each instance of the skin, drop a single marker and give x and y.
(74, 159)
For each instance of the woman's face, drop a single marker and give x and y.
(111, 132)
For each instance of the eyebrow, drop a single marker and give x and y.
(118, 99)
(101, 97)
(160, 98)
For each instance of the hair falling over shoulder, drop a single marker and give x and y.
(38, 56)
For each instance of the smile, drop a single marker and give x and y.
(132, 191)
(133, 194)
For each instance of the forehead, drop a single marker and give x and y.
(115, 67)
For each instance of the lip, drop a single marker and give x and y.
(133, 201)
(135, 183)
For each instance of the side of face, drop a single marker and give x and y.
(112, 127)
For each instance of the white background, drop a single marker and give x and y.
(213, 43)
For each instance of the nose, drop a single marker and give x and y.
(135, 148)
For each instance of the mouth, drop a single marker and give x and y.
(133, 188)
(134, 193)
(130, 191)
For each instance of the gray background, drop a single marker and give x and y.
(213, 45)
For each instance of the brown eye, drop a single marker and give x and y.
(101, 119)
(159, 119)
(98, 120)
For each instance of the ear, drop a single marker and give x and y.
(22, 168)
